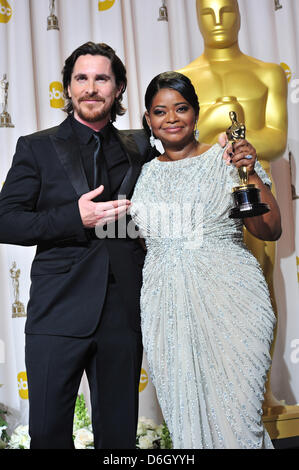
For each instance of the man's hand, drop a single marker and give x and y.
(100, 213)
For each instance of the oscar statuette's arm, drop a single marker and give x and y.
(266, 122)
(270, 141)
(215, 119)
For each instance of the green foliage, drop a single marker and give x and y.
(81, 417)
(3, 426)
(166, 442)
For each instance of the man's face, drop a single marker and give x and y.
(93, 89)
(219, 22)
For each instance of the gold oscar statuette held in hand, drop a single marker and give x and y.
(246, 196)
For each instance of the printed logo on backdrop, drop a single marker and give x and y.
(287, 70)
(143, 380)
(23, 385)
(293, 82)
(295, 351)
(105, 4)
(56, 95)
(18, 309)
(5, 11)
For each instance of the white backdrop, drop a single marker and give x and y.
(32, 58)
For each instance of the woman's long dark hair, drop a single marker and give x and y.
(118, 70)
(175, 80)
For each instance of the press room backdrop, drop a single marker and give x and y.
(31, 59)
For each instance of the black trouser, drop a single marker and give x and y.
(111, 358)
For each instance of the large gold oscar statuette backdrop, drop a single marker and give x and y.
(227, 80)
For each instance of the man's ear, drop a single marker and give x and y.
(120, 90)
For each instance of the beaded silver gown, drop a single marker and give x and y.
(207, 320)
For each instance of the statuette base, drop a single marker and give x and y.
(52, 22)
(18, 310)
(247, 202)
(5, 120)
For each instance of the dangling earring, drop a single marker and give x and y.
(196, 132)
(152, 138)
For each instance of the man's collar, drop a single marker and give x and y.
(106, 131)
(85, 133)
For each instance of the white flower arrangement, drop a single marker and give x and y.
(83, 438)
(20, 438)
(152, 436)
(149, 434)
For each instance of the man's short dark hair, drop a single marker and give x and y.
(118, 70)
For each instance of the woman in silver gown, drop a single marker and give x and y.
(207, 320)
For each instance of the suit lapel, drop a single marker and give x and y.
(68, 152)
(130, 148)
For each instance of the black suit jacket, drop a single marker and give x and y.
(39, 206)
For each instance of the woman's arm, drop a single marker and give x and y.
(266, 226)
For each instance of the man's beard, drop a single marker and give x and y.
(93, 115)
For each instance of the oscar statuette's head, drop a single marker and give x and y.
(219, 22)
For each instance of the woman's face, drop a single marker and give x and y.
(171, 118)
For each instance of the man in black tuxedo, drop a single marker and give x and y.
(83, 312)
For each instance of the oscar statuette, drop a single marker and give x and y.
(246, 196)
(163, 14)
(18, 309)
(52, 20)
(5, 119)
